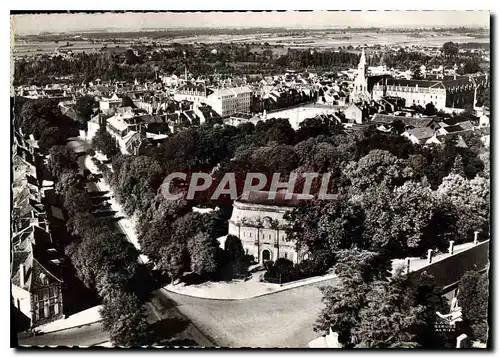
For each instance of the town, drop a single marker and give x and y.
(264, 188)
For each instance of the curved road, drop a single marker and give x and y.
(284, 319)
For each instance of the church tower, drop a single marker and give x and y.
(360, 90)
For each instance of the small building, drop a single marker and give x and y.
(106, 104)
(419, 135)
(356, 113)
(258, 221)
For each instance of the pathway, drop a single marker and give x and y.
(241, 290)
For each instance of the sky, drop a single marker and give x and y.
(29, 24)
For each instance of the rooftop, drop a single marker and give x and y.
(262, 198)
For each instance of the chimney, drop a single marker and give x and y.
(22, 274)
(450, 249)
(429, 256)
(476, 237)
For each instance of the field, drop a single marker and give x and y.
(335, 39)
(31, 48)
(283, 41)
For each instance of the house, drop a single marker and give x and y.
(106, 104)
(355, 113)
(455, 129)
(36, 278)
(258, 221)
(206, 114)
(239, 118)
(409, 122)
(419, 135)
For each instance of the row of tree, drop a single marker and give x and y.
(174, 237)
(104, 260)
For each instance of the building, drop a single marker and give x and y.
(258, 222)
(356, 113)
(419, 135)
(36, 264)
(230, 101)
(106, 104)
(36, 277)
(360, 91)
(193, 93)
(455, 92)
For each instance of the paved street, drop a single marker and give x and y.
(283, 319)
(84, 336)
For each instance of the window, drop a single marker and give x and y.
(286, 255)
(40, 312)
(250, 234)
(52, 309)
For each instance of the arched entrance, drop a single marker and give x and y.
(266, 255)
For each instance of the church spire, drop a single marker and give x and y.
(362, 59)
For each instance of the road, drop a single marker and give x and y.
(282, 319)
(87, 335)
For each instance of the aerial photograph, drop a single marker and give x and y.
(250, 179)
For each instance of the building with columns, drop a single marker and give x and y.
(258, 222)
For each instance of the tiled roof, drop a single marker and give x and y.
(262, 198)
(453, 129)
(421, 133)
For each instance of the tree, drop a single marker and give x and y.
(389, 316)
(470, 202)
(173, 258)
(105, 143)
(60, 159)
(125, 320)
(84, 106)
(343, 302)
(417, 74)
(69, 180)
(377, 167)
(430, 109)
(203, 252)
(235, 254)
(473, 298)
(472, 65)
(398, 127)
(450, 49)
(458, 166)
(77, 200)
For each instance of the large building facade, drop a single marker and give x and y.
(258, 222)
(455, 92)
(229, 101)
